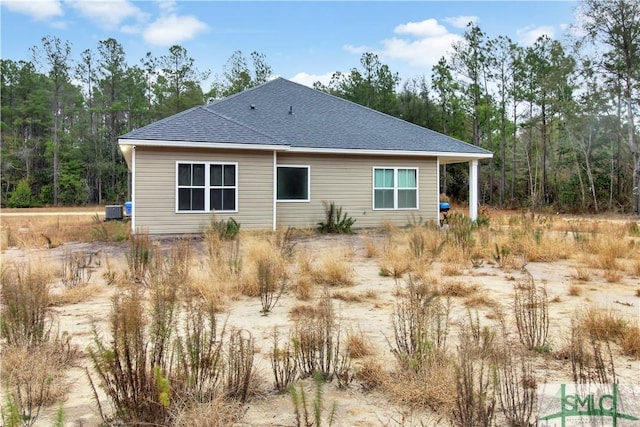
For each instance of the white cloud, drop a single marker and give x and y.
(310, 79)
(108, 14)
(358, 50)
(461, 21)
(37, 9)
(529, 34)
(426, 28)
(169, 30)
(420, 44)
(169, 6)
(580, 21)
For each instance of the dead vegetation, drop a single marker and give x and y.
(172, 353)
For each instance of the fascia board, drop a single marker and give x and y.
(469, 156)
(189, 144)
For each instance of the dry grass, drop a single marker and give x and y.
(218, 412)
(582, 274)
(453, 255)
(26, 297)
(232, 268)
(634, 268)
(605, 250)
(574, 291)
(358, 346)
(224, 260)
(609, 244)
(426, 243)
(371, 248)
(371, 375)
(612, 275)
(55, 229)
(370, 294)
(431, 386)
(450, 269)
(301, 311)
(480, 299)
(456, 288)
(630, 342)
(333, 269)
(395, 260)
(347, 296)
(317, 339)
(263, 267)
(74, 295)
(536, 246)
(303, 287)
(602, 324)
(216, 293)
(421, 268)
(36, 375)
(531, 311)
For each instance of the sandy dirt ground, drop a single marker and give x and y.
(371, 316)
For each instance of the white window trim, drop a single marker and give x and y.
(308, 199)
(395, 188)
(207, 186)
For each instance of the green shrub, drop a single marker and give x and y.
(335, 220)
(21, 196)
(460, 232)
(225, 230)
(309, 414)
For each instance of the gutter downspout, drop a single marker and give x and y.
(133, 189)
(275, 189)
(437, 190)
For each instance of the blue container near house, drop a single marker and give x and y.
(127, 208)
(444, 207)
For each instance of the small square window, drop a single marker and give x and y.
(293, 183)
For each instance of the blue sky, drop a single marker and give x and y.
(303, 40)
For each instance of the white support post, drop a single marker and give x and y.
(473, 190)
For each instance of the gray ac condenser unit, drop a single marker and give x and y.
(113, 212)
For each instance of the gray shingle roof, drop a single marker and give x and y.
(199, 124)
(317, 120)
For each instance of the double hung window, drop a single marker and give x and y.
(395, 188)
(207, 187)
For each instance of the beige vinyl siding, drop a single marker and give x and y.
(348, 181)
(155, 192)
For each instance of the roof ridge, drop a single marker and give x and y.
(243, 91)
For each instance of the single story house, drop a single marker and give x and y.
(270, 156)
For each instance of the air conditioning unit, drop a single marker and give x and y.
(113, 212)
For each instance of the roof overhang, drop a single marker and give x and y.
(445, 157)
(126, 146)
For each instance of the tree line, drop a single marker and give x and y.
(558, 116)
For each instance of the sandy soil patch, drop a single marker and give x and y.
(371, 316)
